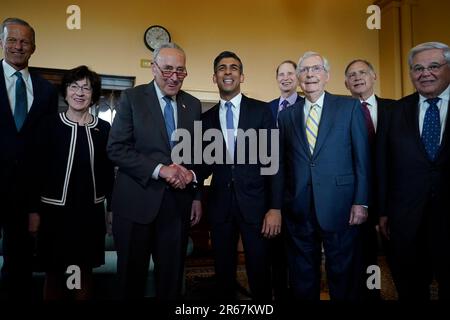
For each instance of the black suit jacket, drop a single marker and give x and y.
(253, 190)
(407, 178)
(16, 146)
(138, 142)
(383, 108)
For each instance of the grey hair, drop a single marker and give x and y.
(428, 46)
(171, 45)
(367, 63)
(9, 21)
(308, 54)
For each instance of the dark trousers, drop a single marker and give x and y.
(342, 260)
(369, 241)
(424, 257)
(17, 253)
(165, 239)
(224, 239)
(279, 268)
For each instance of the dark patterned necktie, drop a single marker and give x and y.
(369, 122)
(284, 105)
(431, 129)
(21, 106)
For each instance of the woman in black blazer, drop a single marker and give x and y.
(72, 178)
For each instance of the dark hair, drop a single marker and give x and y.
(80, 73)
(21, 22)
(286, 61)
(227, 54)
(367, 63)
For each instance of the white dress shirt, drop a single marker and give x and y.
(236, 101)
(10, 82)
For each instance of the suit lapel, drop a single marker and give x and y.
(182, 112)
(326, 122)
(298, 123)
(151, 100)
(5, 108)
(445, 135)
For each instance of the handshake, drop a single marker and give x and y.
(176, 175)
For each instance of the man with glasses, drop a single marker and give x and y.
(153, 203)
(324, 183)
(25, 98)
(413, 168)
(360, 78)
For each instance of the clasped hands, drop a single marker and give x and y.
(176, 175)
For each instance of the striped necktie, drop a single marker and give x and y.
(312, 127)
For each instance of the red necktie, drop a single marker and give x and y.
(369, 123)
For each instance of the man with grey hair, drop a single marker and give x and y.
(324, 183)
(153, 198)
(413, 168)
(25, 98)
(360, 78)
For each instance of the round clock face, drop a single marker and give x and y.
(154, 36)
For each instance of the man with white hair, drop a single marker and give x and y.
(413, 167)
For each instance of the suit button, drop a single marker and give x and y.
(232, 167)
(312, 164)
(229, 185)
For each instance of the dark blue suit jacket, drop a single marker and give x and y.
(337, 173)
(15, 145)
(274, 104)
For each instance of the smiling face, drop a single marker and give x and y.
(18, 45)
(169, 59)
(313, 82)
(228, 77)
(287, 79)
(430, 84)
(360, 80)
(79, 95)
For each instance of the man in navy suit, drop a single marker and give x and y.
(240, 199)
(288, 83)
(20, 113)
(324, 184)
(360, 78)
(413, 168)
(287, 80)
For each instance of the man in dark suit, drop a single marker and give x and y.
(24, 100)
(240, 196)
(288, 83)
(153, 197)
(324, 183)
(287, 80)
(360, 79)
(413, 167)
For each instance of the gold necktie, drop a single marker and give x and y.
(312, 127)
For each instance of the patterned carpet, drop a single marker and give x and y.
(200, 280)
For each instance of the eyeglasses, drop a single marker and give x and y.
(361, 74)
(434, 67)
(74, 88)
(314, 69)
(181, 74)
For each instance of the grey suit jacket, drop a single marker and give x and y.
(138, 142)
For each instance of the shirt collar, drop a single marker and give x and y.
(160, 94)
(291, 99)
(236, 101)
(9, 71)
(319, 102)
(372, 101)
(445, 95)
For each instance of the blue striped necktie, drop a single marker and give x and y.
(21, 106)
